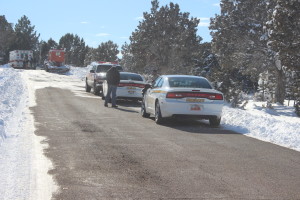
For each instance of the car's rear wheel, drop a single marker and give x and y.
(215, 121)
(143, 110)
(158, 118)
(87, 87)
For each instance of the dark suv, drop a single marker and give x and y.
(97, 74)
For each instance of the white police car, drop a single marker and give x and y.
(182, 96)
(130, 86)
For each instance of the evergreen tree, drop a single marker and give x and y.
(127, 60)
(75, 49)
(284, 41)
(89, 55)
(106, 51)
(26, 37)
(6, 38)
(66, 43)
(239, 42)
(205, 62)
(166, 38)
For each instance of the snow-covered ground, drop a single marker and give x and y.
(23, 167)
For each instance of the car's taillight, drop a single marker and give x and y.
(174, 95)
(178, 95)
(131, 85)
(215, 97)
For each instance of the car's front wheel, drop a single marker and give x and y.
(96, 90)
(143, 110)
(87, 87)
(158, 117)
(215, 121)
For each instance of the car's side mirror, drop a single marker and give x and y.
(92, 71)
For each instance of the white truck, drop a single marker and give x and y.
(21, 59)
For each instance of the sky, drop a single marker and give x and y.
(98, 21)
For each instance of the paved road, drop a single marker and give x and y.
(106, 153)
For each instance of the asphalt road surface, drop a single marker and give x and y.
(108, 153)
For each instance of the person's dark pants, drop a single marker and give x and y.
(111, 93)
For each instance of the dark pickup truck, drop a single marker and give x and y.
(97, 74)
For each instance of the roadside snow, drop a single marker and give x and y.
(23, 166)
(279, 125)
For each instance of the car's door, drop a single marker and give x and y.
(152, 94)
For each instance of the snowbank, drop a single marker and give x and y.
(279, 125)
(23, 167)
(13, 99)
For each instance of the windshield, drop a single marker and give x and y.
(189, 82)
(133, 77)
(105, 68)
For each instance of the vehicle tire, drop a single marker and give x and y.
(87, 87)
(214, 121)
(143, 110)
(158, 118)
(95, 90)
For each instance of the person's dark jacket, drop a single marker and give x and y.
(113, 76)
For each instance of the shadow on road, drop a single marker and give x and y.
(129, 103)
(194, 126)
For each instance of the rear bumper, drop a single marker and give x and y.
(123, 93)
(204, 110)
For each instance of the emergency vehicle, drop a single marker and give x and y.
(55, 62)
(21, 59)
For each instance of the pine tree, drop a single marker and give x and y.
(6, 38)
(205, 62)
(239, 42)
(284, 41)
(127, 60)
(26, 37)
(106, 51)
(165, 39)
(75, 49)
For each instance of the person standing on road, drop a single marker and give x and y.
(113, 80)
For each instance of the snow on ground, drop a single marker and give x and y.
(23, 166)
(279, 125)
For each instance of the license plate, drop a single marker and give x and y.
(194, 100)
(195, 107)
(130, 88)
(130, 92)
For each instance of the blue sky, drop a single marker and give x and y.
(98, 21)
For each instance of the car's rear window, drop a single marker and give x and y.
(189, 82)
(133, 77)
(105, 68)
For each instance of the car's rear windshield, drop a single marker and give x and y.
(133, 77)
(105, 68)
(189, 82)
